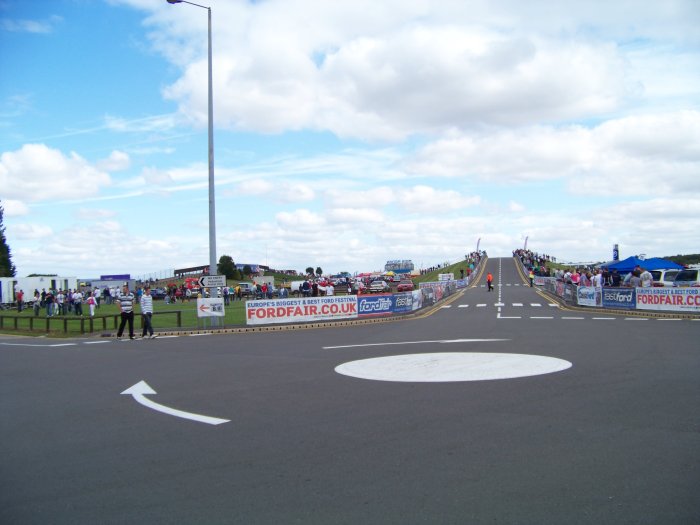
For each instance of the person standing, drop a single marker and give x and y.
(78, 302)
(37, 303)
(146, 303)
(20, 300)
(91, 301)
(489, 281)
(531, 276)
(125, 302)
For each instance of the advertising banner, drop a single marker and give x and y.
(619, 298)
(403, 302)
(560, 289)
(589, 296)
(669, 299)
(210, 307)
(417, 300)
(301, 310)
(374, 305)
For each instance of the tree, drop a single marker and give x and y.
(7, 269)
(310, 270)
(227, 267)
(247, 270)
(319, 272)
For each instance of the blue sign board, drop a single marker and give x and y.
(619, 298)
(372, 305)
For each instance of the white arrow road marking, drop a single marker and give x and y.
(141, 389)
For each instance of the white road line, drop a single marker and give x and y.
(669, 319)
(535, 304)
(481, 305)
(443, 341)
(604, 318)
(463, 306)
(573, 318)
(499, 304)
(541, 317)
(499, 316)
(446, 306)
(517, 304)
(636, 318)
(554, 304)
(95, 342)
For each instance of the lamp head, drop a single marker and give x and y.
(174, 1)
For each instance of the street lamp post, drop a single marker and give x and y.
(212, 200)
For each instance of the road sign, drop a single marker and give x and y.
(210, 281)
(210, 307)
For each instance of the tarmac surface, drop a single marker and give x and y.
(497, 408)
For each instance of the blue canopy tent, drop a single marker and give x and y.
(629, 264)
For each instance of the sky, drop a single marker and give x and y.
(346, 133)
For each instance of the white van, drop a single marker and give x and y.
(687, 278)
(663, 278)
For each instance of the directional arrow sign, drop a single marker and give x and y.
(210, 281)
(141, 389)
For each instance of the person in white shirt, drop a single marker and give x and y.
(146, 303)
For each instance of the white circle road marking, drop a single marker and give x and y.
(448, 367)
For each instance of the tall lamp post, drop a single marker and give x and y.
(212, 200)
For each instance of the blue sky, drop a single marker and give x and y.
(346, 133)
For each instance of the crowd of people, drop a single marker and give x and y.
(60, 302)
(537, 265)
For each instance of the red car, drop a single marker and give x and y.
(405, 286)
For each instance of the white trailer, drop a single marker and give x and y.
(7, 290)
(44, 282)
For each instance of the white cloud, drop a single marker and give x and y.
(286, 191)
(408, 67)
(636, 155)
(38, 173)
(28, 231)
(14, 208)
(304, 220)
(30, 26)
(117, 161)
(93, 214)
(153, 176)
(424, 199)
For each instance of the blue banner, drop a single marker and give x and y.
(371, 305)
(619, 298)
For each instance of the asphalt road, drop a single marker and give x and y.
(615, 438)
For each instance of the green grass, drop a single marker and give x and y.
(163, 319)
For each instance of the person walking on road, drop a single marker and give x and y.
(489, 281)
(147, 312)
(531, 276)
(125, 301)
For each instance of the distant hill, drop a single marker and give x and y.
(693, 258)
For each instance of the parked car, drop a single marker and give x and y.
(687, 278)
(247, 289)
(379, 286)
(158, 293)
(405, 286)
(663, 278)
